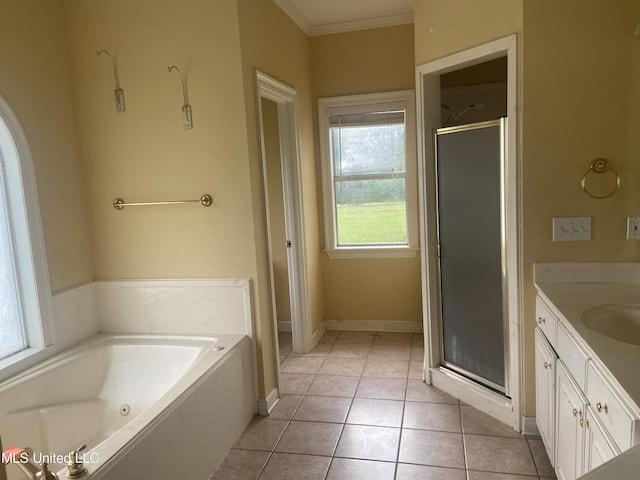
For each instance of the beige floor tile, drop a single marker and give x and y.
(422, 472)
(334, 386)
(382, 413)
(498, 476)
(476, 422)
(415, 369)
(323, 409)
(499, 454)
(261, 434)
(369, 443)
(287, 466)
(391, 351)
(286, 407)
(384, 367)
(541, 458)
(295, 383)
(320, 350)
(301, 364)
(393, 338)
(382, 388)
(418, 391)
(437, 449)
(351, 469)
(342, 366)
(329, 336)
(417, 353)
(311, 438)
(356, 337)
(241, 465)
(432, 416)
(418, 339)
(350, 350)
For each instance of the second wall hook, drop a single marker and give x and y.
(119, 93)
(187, 118)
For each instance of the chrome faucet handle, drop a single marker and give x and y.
(45, 473)
(75, 468)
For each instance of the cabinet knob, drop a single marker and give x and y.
(547, 365)
(602, 408)
(584, 423)
(577, 413)
(541, 320)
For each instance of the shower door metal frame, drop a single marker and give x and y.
(502, 124)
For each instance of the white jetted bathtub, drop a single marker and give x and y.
(156, 407)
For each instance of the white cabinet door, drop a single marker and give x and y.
(570, 408)
(599, 448)
(545, 392)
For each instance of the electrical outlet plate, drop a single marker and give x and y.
(633, 228)
(571, 229)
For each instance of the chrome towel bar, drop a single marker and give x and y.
(205, 200)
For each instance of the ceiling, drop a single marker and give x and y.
(321, 17)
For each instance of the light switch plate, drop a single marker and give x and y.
(571, 229)
(633, 228)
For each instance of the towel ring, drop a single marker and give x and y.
(600, 166)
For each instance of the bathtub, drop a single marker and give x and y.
(147, 406)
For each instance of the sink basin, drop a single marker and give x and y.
(620, 322)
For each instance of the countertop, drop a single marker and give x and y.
(570, 300)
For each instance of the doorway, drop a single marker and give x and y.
(481, 392)
(280, 155)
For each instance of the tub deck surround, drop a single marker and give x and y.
(570, 290)
(122, 394)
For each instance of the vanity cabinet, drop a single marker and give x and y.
(545, 391)
(582, 420)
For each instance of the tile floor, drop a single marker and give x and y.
(356, 408)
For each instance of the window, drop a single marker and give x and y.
(368, 173)
(25, 322)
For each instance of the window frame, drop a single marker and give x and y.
(28, 247)
(356, 104)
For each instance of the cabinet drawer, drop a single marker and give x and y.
(572, 356)
(547, 322)
(613, 415)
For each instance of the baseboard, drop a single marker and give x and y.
(317, 334)
(373, 325)
(530, 427)
(284, 326)
(265, 405)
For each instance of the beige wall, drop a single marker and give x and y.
(579, 100)
(367, 61)
(144, 154)
(273, 44)
(34, 80)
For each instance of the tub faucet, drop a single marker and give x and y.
(22, 458)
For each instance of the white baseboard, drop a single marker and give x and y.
(284, 326)
(530, 427)
(265, 405)
(317, 335)
(373, 325)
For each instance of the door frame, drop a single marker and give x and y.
(286, 98)
(428, 120)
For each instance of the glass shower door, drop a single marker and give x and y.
(470, 196)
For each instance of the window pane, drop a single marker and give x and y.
(371, 212)
(11, 336)
(370, 149)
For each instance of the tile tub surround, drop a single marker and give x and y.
(343, 415)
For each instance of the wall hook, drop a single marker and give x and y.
(187, 118)
(119, 93)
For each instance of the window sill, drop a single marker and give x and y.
(372, 252)
(22, 360)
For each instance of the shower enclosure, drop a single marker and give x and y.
(471, 248)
